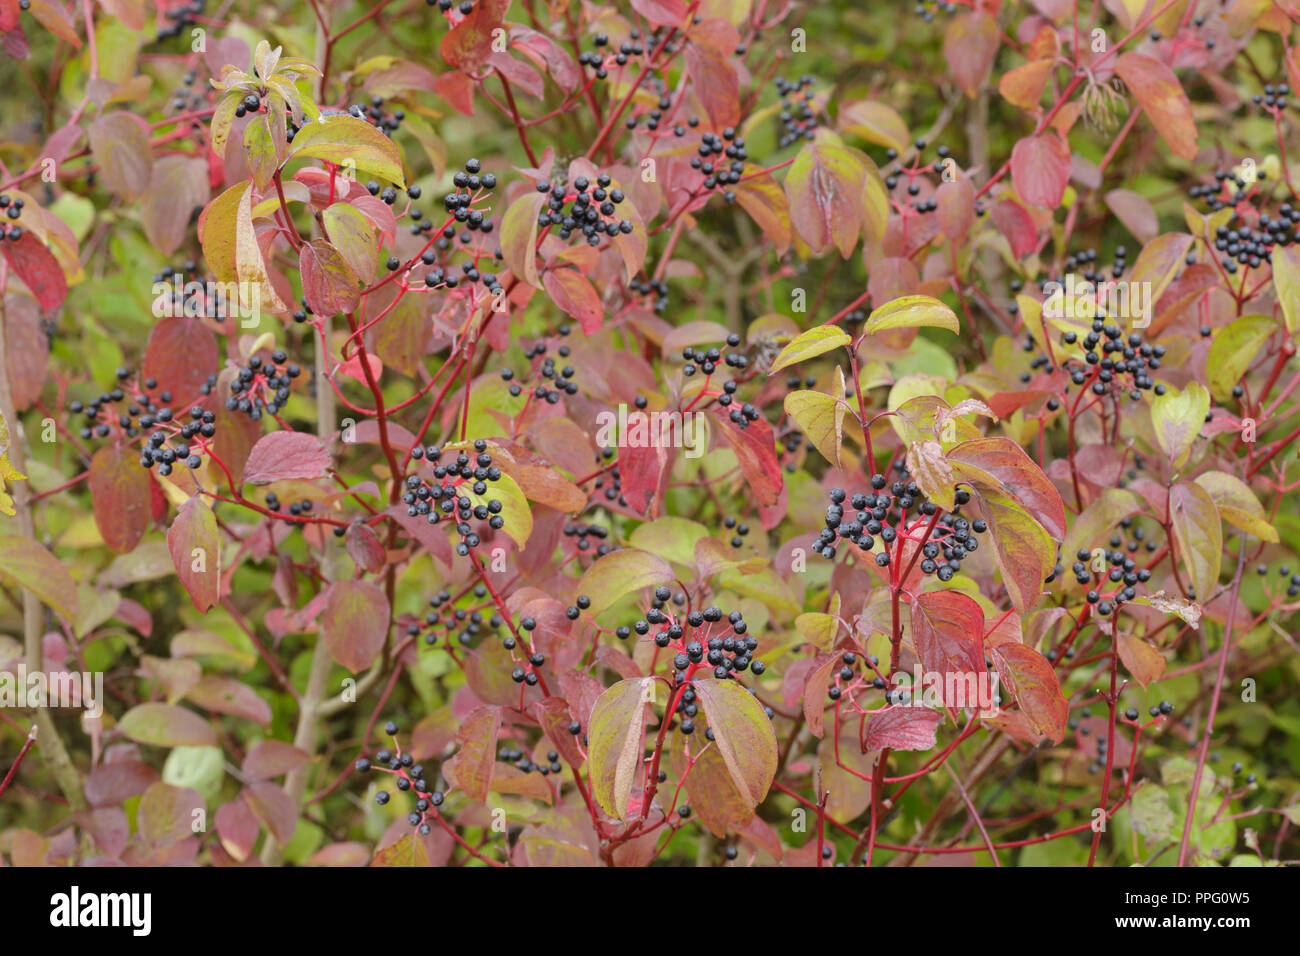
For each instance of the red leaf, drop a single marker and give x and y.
(1014, 222)
(755, 447)
(948, 630)
(1040, 169)
(1033, 682)
(195, 549)
(969, 46)
(119, 489)
(469, 44)
(576, 296)
(902, 728)
(716, 84)
(238, 828)
(667, 13)
(271, 758)
(641, 470)
(274, 808)
(1157, 89)
(282, 455)
(458, 90)
(27, 350)
(328, 283)
(1014, 473)
(36, 266)
(363, 547)
(181, 354)
(354, 623)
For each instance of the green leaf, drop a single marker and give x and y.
(514, 507)
(1286, 281)
(408, 851)
(1178, 418)
(821, 417)
(743, 735)
(810, 344)
(29, 565)
(351, 143)
(354, 238)
(1234, 349)
(622, 572)
(615, 743)
(165, 725)
(1237, 504)
(671, 538)
(519, 237)
(1198, 532)
(911, 312)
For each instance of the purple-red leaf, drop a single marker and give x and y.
(282, 455)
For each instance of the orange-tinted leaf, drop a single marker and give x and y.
(119, 489)
(1032, 681)
(354, 623)
(1162, 98)
(195, 548)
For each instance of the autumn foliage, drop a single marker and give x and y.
(709, 432)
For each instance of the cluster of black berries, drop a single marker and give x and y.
(611, 483)
(656, 116)
(584, 533)
(409, 779)
(189, 294)
(262, 386)
(798, 116)
(924, 11)
(1120, 363)
(702, 640)
(1122, 571)
(595, 58)
(707, 359)
(739, 527)
(522, 761)
(887, 512)
(296, 509)
(462, 7)
(180, 18)
(13, 209)
(848, 680)
(387, 123)
(185, 96)
(1274, 97)
(728, 146)
(471, 185)
(200, 429)
(447, 497)
(143, 412)
(657, 288)
(1251, 247)
(913, 173)
(547, 382)
(591, 211)
(443, 614)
